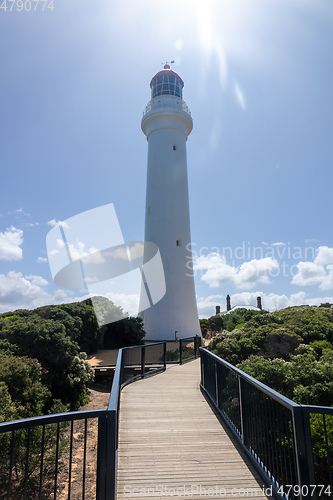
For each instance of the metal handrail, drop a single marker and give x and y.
(288, 403)
(26, 423)
(281, 448)
(107, 439)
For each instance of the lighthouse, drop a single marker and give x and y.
(167, 123)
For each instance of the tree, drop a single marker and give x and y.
(123, 333)
(47, 341)
(21, 378)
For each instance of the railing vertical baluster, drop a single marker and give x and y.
(251, 413)
(275, 441)
(327, 452)
(164, 355)
(279, 434)
(216, 386)
(309, 454)
(41, 464)
(303, 473)
(84, 458)
(180, 352)
(70, 460)
(282, 448)
(143, 361)
(263, 431)
(291, 452)
(243, 415)
(202, 365)
(26, 466)
(11, 465)
(111, 456)
(101, 459)
(56, 462)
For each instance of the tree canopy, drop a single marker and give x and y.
(43, 354)
(290, 350)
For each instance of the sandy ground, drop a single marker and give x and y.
(103, 358)
(98, 398)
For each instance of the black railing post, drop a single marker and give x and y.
(195, 347)
(111, 455)
(216, 386)
(309, 450)
(164, 354)
(180, 352)
(143, 361)
(242, 410)
(101, 459)
(202, 362)
(300, 439)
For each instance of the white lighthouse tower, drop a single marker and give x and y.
(167, 123)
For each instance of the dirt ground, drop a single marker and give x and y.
(98, 398)
(104, 358)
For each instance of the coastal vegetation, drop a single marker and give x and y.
(44, 370)
(43, 355)
(290, 350)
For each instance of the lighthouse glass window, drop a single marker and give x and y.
(167, 85)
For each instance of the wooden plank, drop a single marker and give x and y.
(172, 445)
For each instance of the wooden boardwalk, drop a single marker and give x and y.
(171, 443)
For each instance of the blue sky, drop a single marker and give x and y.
(74, 82)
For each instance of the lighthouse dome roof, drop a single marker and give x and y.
(166, 71)
(166, 82)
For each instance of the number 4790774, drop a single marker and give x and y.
(26, 5)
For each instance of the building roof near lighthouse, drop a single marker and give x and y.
(166, 71)
(253, 308)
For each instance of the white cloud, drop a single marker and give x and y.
(324, 256)
(327, 283)
(206, 305)
(216, 272)
(308, 273)
(10, 243)
(278, 244)
(129, 303)
(16, 291)
(28, 292)
(318, 272)
(78, 251)
(54, 223)
(41, 260)
(256, 272)
(311, 240)
(37, 280)
(21, 212)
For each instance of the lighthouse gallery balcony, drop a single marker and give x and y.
(166, 102)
